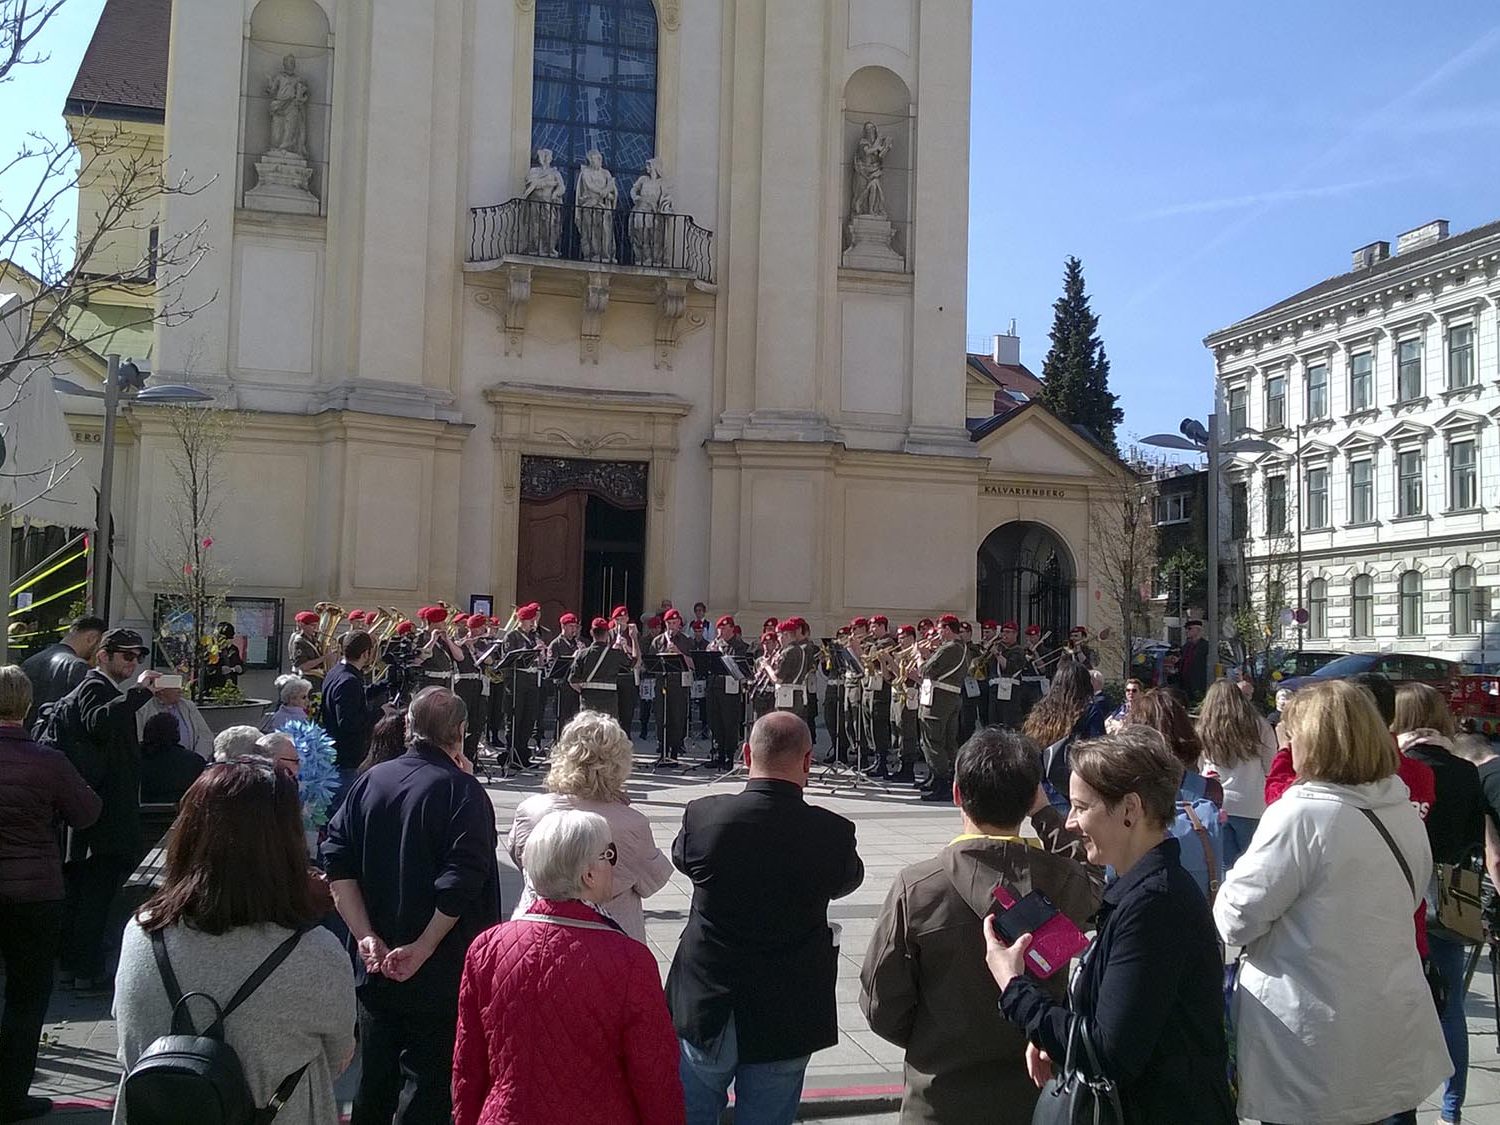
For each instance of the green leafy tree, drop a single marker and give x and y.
(1076, 371)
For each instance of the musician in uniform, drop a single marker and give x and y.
(435, 664)
(852, 717)
(1006, 706)
(701, 630)
(763, 687)
(651, 700)
(942, 674)
(525, 681)
(560, 653)
(468, 680)
(968, 699)
(832, 705)
(984, 669)
(305, 650)
(596, 671)
(675, 689)
(906, 730)
(789, 670)
(726, 696)
(625, 637)
(1078, 647)
(399, 654)
(1033, 671)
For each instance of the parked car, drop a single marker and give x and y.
(1304, 663)
(1476, 704)
(1395, 666)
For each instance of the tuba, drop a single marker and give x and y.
(330, 617)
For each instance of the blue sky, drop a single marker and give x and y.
(1203, 160)
(1206, 160)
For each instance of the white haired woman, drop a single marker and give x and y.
(561, 1016)
(591, 761)
(292, 696)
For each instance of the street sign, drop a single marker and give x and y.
(1301, 616)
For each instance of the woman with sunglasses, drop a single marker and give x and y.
(1122, 713)
(561, 1016)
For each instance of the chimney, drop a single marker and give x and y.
(1008, 347)
(1424, 235)
(1367, 256)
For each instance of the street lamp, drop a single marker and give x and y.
(1205, 439)
(120, 377)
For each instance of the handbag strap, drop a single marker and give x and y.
(175, 995)
(1208, 850)
(1391, 843)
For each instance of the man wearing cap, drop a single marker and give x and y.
(1033, 683)
(969, 697)
(875, 697)
(306, 654)
(99, 737)
(1078, 643)
(596, 671)
(726, 695)
(906, 730)
(627, 638)
(560, 653)
(1193, 665)
(675, 687)
(701, 630)
(468, 680)
(525, 682)
(789, 670)
(1006, 708)
(942, 683)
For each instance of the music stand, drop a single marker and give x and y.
(658, 665)
(844, 663)
(707, 664)
(558, 678)
(512, 663)
(742, 668)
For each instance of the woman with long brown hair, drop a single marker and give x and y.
(236, 891)
(1238, 746)
(1066, 713)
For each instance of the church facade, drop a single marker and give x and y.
(595, 301)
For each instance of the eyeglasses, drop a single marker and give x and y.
(1131, 690)
(610, 853)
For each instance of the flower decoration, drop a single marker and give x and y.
(318, 776)
(208, 541)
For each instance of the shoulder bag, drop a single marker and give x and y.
(1079, 1094)
(1435, 982)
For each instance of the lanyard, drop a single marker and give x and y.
(1023, 840)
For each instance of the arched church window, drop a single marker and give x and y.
(594, 84)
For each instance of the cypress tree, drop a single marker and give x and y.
(1076, 370)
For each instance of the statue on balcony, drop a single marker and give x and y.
(869, 173)
(595, 199)
(650, 204)
(541, 208)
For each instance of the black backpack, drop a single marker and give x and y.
(185, 1078)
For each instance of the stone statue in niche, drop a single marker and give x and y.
(650, 204)
(541, 214)
(284, 172)
(870, 230)
(595, 198)
(869, 172)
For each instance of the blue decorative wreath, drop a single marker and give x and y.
(319, 775)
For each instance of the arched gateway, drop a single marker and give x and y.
(1026, 574)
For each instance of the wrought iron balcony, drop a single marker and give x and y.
(662, 244)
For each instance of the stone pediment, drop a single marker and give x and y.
(1033, 442)
(1460, 420)
(1407, 431)
(1359, 439)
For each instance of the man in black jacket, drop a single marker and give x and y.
(99, 737)
(752, 985)
(59, 668)
(351, 708)
(411, 863)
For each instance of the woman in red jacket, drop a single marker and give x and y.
(561, 1016)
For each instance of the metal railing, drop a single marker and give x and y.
(591, 234)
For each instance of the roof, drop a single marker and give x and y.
(1009, 376)
(1394, 265)
(123, 74)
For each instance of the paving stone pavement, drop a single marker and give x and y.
(78, 1065)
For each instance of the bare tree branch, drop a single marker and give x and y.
(1122, 529)
(21, 21)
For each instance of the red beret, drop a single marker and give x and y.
(356, 615)
(654, 622)
(619, 611)
(987, 625)
(880, 619)
(671, 615)
(771, 623)
(860, 623)
(433, 614)
(568, 619)
(1010, 626)
(787, 626)
(725, 621)
(907, 631)
(599, 623)
(527, 612)
(306, 617)
(1078, 629)
(1033, 630)
(949, 621)
(406, 628)
(925, 623)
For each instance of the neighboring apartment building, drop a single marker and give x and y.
(1381, 386)
(1178, 495)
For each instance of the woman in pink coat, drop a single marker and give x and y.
(561, 1016)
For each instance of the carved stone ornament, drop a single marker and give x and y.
(595, 305)
(622, 483)
(284, 172)
(512, 309)
(671, 305)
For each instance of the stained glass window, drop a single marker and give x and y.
(594, 85)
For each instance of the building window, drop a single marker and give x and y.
(594, 85)
(1460, 356)
(1275, 505)
(1409, 369)
(1361, 364)
(1461, 599)
(1410, 623)
(1239, 510)
(1409, 482)
(1362, 619)
(1463, 484)
(1361, 491)
(1239, 411)
(1174, 507)
(1276, 402)
(1317, 608)
(1317, 497)
(1317, 392)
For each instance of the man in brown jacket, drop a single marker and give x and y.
(924, 985)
